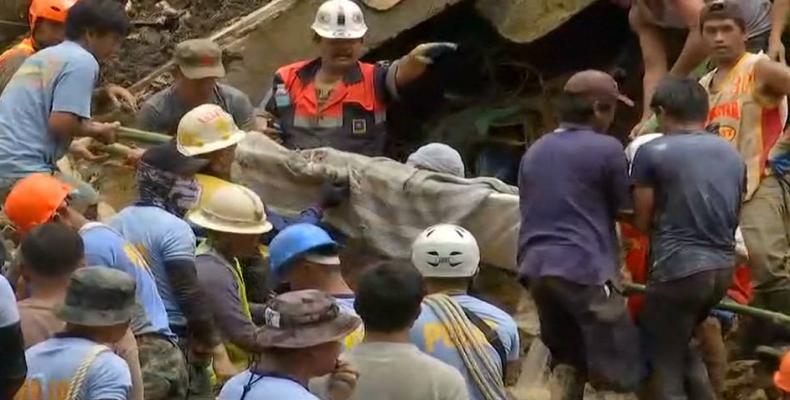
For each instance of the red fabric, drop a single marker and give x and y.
(741, 290)
(638, 246)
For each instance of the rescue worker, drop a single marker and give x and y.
(46, 19)
(336, 100)
(153, 225)
(48, 101)
(50, 254)
(658, 23)
(38, 199)
(748, 104)
(782, 378)
(389, 302)
(198, 66)
(573, 184)
(208, 132)
(97, 309)
(476, 337)
(13, 369)
(692, 238)
(234, 219)
(301, 340)
(305, 257)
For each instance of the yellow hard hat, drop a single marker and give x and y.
(205, 129)
(232, 208)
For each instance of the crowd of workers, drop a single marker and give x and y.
(197, 290)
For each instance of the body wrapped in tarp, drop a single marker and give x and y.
(389, 204)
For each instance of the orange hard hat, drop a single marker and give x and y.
(34, 200)
(53, 10)
(782, 377)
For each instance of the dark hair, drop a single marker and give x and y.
(389, 297)
(682, 99)
(52, 250)
(100, 16)
(574, 108)
(721, 10)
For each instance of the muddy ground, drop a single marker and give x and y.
(160, 25)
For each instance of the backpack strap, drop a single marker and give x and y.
(491, 336)
(75, 387)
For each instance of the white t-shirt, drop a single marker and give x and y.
(9, 314)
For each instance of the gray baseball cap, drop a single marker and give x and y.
(99, 296)
(199, 59)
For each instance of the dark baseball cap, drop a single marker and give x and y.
(723, 9)
(199, 59)
(166, 157)
(596, 84)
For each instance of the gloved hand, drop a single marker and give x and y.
(427, 53)
(333, 193)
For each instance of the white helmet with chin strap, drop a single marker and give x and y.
(340, 19)
(446, 251)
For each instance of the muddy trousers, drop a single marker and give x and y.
(164, 368)
(672, 312)
(588, 329)
(765, 223)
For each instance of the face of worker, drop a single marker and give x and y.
(339, 54)
(604, 115)
(103, 45)
(241, 245)
(49, 33)
(221, 160)
(324, 357)
(724, 39)
(194, 92)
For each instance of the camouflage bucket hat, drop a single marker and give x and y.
(304, 318)
(99, 296)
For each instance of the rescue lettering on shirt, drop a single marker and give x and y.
(31, 390)
(436, 333)
(354, 338)
(136, 257)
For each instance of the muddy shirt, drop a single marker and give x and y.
(163, 111)
(12, 59)
(57, 79)
(698, 180)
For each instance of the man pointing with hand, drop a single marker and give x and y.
(336, 100)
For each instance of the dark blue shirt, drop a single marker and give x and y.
(698, 180)
(572, 183)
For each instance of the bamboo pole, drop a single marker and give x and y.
(776, 317)
(136, 135)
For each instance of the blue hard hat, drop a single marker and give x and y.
(295, 241)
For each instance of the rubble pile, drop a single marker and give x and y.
(160, 24)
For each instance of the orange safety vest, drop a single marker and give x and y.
(26, 46)
(352, 119)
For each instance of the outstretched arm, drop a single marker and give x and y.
(776, 50)
(773, 78)
(693, 52)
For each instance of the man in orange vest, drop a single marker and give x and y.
(336, 100)
(47, 19)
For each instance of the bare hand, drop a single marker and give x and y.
(776, 50)
(105, 132)
(134, 156)
(122, 98)
(265, 122)
(80, 148)
(342, 381)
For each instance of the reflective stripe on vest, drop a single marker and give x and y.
(352, 118)
(25, 46)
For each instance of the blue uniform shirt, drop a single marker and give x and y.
(160, 237)
(57, 79)
(430, 336)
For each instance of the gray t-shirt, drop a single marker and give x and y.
(163, 111)
(757, 15)
(698, 181)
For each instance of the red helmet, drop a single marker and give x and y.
(53, 10)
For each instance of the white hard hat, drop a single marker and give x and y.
(446, 251)
(206, 128)
(340, 19)
(232, 208)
